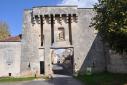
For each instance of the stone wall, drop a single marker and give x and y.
(88, 45)
(10, 54)
(30, 58)
(117, 63)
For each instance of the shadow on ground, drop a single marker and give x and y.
(57, 80)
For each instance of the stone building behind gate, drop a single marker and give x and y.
(46, 29)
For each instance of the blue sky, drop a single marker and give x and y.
(11, 11)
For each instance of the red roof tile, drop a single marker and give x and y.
(12, 39)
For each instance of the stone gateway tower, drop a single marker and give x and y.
(58, 40)
(46, 29)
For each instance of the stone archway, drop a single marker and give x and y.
(62, 61)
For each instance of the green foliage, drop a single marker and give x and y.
(4, 30)
(13, 79)
(111, 22)
(104, 79)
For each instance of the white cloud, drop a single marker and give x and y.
(80, 3)
(69, 2)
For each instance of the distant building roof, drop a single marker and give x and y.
(12, 39)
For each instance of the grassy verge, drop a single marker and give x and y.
(12, 79)
(104, 79)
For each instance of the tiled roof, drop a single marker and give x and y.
(12, 39)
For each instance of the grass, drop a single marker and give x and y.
(13, 79)
(104, 79)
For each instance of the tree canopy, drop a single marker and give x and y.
(111, 22)
(4, 30)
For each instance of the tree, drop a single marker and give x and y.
(4, 30)
(111, 22)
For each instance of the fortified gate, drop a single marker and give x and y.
(49, 29)
(58, 40)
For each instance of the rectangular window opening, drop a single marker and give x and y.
(9, 74)
(42, 35)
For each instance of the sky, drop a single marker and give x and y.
(11, 11)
